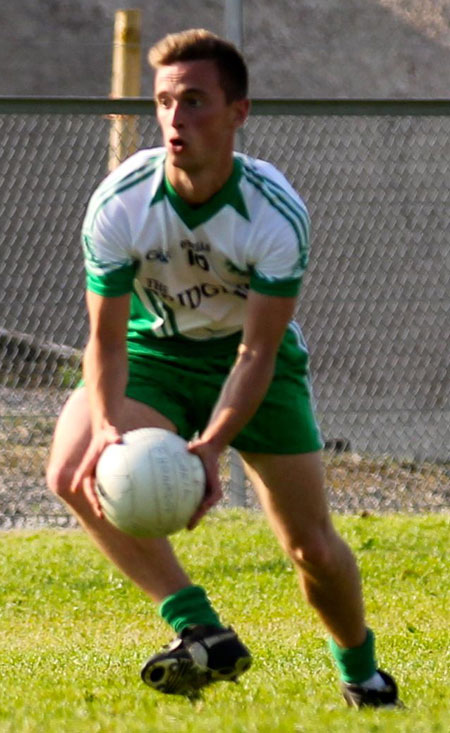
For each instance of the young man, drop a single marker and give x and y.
(194, 258)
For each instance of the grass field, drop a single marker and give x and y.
(74, 633)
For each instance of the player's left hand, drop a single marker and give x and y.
(213, 491)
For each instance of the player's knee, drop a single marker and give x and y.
(59, 479)
(313, 552)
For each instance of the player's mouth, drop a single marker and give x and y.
(177, 144)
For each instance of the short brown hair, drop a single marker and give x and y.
(198, 44)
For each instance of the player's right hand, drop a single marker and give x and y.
(84, 476)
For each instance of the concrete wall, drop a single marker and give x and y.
(295, 48)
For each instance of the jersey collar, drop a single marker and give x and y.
(229, 195)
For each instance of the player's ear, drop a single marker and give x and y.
(241, 111)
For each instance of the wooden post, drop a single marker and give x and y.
(125, 82)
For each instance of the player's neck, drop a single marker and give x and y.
(197, 187)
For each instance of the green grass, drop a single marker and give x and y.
(74, 633)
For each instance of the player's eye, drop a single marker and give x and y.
(163, 102)
(193, 102)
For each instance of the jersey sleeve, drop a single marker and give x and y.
(282, 247)
(277, 250)
(106, 240)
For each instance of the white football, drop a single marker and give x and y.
(149, 485)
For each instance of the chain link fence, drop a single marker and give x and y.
(374, 306)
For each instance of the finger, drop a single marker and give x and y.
(91, 495)
(208, 502)
(77, 480)
(85, 469)
(195, 520)
(199, 514)
(90, 459)
(213, 493)
(214, 489)
(201, 511)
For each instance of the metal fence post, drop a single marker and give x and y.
(234, 32)
(237, 495)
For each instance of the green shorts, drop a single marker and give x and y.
(184, 383)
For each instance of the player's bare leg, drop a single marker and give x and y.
(291, 491)
(150, 563)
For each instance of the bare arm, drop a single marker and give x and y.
(105, 366)
(250, 377)
(246, 385)
(105, 372)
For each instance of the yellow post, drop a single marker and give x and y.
(125, 82)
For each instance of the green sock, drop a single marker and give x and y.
(188, 607)
(358, 663)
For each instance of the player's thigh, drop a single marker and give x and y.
(72, 433)
(73, 428)
(292, 493)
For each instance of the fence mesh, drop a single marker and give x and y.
(374, 306)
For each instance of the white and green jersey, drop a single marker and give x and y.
(188, 268)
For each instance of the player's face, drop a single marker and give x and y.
(197, 122)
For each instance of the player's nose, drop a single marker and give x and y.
(177, 115)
